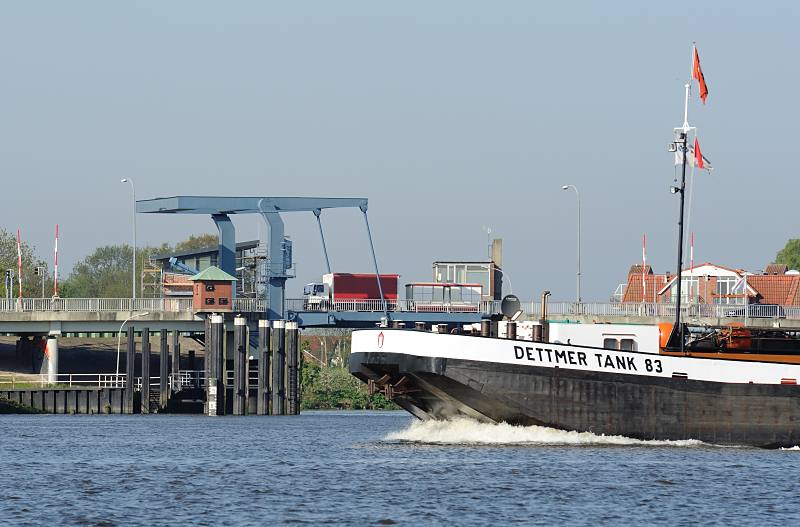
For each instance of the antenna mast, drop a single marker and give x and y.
(681, 144)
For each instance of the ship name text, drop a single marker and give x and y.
(589, 359)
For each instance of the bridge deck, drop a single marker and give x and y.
(89, 315)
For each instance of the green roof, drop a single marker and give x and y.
(213, 273)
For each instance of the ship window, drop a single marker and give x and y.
(619, 344)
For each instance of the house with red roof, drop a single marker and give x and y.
(710, 283)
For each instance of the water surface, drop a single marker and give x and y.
(372, 468)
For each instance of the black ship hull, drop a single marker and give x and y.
(636, 406)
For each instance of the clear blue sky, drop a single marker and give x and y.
(448, 116)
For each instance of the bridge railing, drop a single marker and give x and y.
(663, 310)
(375, 305)
(89, 305)
(532, 309)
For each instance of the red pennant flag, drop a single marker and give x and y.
(697, 73)
(698, 156)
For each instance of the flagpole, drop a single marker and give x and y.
(682, 142)
(688, 87)
(693, 165)
(19, 268)
(644, 264)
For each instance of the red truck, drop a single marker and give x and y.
(351, 292)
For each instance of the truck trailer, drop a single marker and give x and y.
(351, 292)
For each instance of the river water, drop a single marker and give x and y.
(373, 468)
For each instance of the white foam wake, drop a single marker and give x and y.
(463, 431)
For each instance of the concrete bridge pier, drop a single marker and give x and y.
(51, 358)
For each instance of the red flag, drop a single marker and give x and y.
(697, 73)
(698, 156)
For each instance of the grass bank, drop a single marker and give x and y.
(334, 388)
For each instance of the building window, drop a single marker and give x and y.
(724, 289)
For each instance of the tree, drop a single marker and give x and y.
(790, 254)
(31, 283)
(197, 242)
(106, 273)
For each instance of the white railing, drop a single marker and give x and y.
(532, 309)
(187, 379)
(89, 305)
(688, 311)
(376, 305)
(70, 380)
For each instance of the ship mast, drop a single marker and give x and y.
(681, 144)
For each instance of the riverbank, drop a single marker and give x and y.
(10, 407)
(334, 388)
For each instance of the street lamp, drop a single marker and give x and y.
(133, 193)
(578, 196)
(119, 336)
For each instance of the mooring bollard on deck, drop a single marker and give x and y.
(239, 365)
(130, 363)
(278, 367)
(145, 371)
(262, 407)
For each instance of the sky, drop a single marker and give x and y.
(450, 117)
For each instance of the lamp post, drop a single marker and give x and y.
(119, 336)
(578, 274)
(133, 273)
(40, 271)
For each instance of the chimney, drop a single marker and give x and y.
(497, 252)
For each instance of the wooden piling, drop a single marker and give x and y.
(176, 353)
(216, 386)
(293, 396)
(264, 394)
(145, 371)
(239, 365)
(163, 372)
(278, 367)
(207, 347)
(130, 363)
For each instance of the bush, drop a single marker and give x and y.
(330, 388)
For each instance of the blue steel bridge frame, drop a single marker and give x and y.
(220, 208)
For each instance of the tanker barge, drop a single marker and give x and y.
(729, 386)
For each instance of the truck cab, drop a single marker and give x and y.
(316, 296)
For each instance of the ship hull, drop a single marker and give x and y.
(638, 406)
